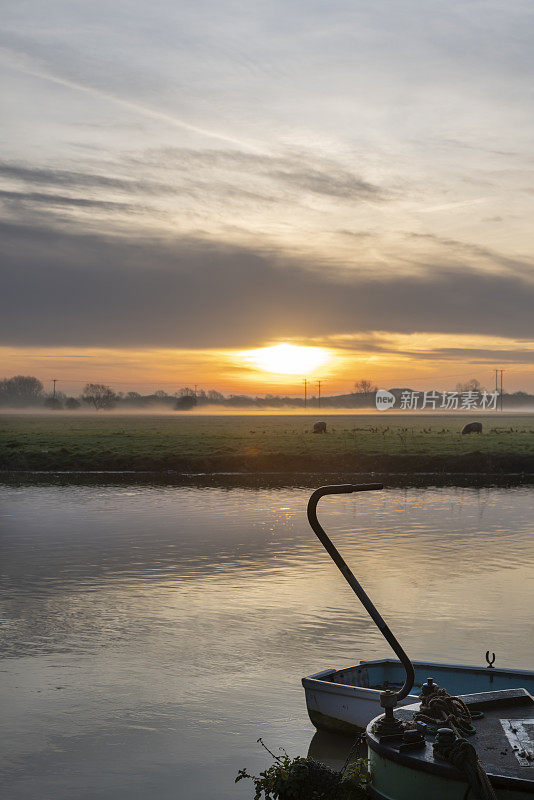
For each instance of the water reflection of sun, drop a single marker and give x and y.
(287, 359)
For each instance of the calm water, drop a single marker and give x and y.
(151, 634)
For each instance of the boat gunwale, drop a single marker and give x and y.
(348, 689)
(319, 677)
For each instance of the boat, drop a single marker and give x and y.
(495, 763)
(346, 700)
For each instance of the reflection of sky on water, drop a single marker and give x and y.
(179, 621)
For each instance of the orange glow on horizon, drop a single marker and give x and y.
(418, 361)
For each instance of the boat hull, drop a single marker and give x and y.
(393, 781)
(341, 708)
(344, 701)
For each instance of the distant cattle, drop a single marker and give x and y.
(472, 427)
(319, 427)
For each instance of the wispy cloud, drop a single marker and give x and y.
(38, 176)
(62, 200)
(24, 63)
(304, 171)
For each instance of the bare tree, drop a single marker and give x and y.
(21, 390)
(471, 386)
(99, 396)
(364, 387)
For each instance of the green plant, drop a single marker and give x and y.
(305, 779)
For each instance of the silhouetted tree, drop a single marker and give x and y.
(72, 404)
(186, 402)
(471, 386)
(364, 387)
(99, 396)
(21, 390)
(186, 391)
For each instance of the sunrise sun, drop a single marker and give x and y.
(287, 359)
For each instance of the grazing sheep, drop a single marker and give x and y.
(472, 427)
(319, 427)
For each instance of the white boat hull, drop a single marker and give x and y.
(337, 703)
(342, 708)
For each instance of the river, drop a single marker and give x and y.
(151, 634)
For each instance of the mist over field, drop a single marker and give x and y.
(232, 411)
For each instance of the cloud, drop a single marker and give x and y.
(80, 180)
(294, 169)
(478, 355)
(62, 200)
(472, 253)
(213, 184)
(342, 184)
(22, 59)
(394, 345)
(91, 290)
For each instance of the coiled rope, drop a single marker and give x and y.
(439, 708)
(462, 755)
(452, 717)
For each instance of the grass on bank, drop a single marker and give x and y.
(185, 442)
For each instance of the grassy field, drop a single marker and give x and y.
(250, 443)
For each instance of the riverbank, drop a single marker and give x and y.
(360, 443)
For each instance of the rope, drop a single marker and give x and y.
(462, 755)
(440, 709)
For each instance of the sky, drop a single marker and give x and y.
(184, 182)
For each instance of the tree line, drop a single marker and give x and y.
(26, 391)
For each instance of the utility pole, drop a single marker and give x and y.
(305, 392)
(501, 387)
(195, 389)
(54, 382)
(319, 393)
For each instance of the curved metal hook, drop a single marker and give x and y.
(492, 661)
(351, 580)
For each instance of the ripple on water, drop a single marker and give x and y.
(147, 629)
